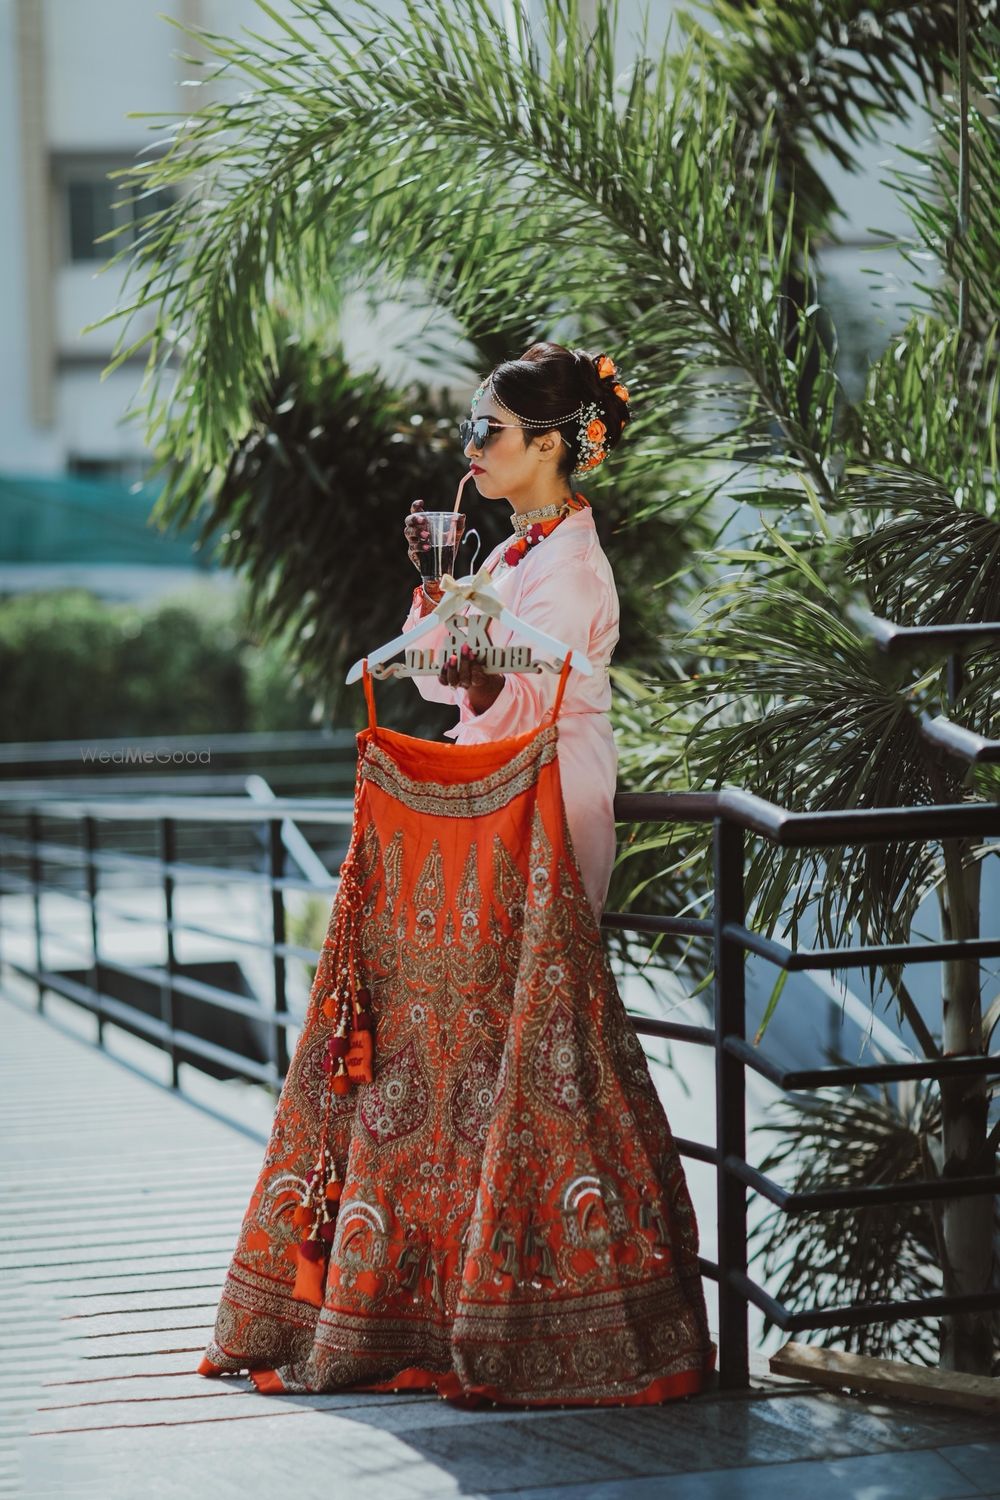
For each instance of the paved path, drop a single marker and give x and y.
(121, 1204)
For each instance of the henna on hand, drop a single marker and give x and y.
(483, 688)
(417, 535)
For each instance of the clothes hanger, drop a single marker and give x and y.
(476, 590)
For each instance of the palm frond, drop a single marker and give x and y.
(879, 1254)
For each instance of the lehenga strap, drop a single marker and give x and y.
(369, 694)
(564, 674)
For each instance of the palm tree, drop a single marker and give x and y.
(528, 180)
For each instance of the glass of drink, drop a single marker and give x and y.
(446, 532)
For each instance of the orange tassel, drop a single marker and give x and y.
(359, 1057)
(302, 1217)
(310, 1277)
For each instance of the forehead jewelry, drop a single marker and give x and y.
(591, 434)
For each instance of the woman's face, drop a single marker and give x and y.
(505, 468)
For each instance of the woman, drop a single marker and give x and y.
(471, 1187)
(558, 578)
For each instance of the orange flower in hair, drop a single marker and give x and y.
(621, 392)
(605, 367)
(596, 430)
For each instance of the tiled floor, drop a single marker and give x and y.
(121, 1207)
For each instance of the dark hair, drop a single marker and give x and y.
(550, 380)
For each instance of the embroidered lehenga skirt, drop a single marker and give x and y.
(500, 1213)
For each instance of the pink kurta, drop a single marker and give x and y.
(565, 587)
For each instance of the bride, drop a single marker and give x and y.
(536, 422)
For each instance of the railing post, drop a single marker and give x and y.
(90, 844)
(168, 852)
(35, 867)
(279, 1041)
(730, 1105)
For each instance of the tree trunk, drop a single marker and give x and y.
(966, 1338)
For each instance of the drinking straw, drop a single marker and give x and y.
(458, 494)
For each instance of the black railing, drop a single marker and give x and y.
(733, 814)
(25, 855)
(27, 848)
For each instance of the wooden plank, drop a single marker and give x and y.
(888, 1377)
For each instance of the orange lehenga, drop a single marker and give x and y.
(500, 1213)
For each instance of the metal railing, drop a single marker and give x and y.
(35, 849)
(733, 815)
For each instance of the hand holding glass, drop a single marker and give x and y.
(434, 538)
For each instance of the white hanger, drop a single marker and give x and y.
(478, 591)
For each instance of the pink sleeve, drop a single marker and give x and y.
(429, 687)
(566, 603)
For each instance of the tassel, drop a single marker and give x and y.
(360, 1055)
(310, 1274)
(340, 1082)
(333, 1187)
(316, 1214)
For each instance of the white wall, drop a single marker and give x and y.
(105, 58)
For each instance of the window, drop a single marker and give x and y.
(92, 206)
(122, 470)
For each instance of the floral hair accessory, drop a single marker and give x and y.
(592, 433)
(591, 440)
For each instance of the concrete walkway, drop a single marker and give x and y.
(121, 1206)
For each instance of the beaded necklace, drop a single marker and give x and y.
(533, 526)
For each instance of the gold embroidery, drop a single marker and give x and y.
(469, 799)
(514, 1218)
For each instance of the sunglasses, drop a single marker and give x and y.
(481, 430)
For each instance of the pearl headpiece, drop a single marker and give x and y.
(591, 436)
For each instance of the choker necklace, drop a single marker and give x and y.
(532, 530)
(521, 520)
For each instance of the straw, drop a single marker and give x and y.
(458, 494)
